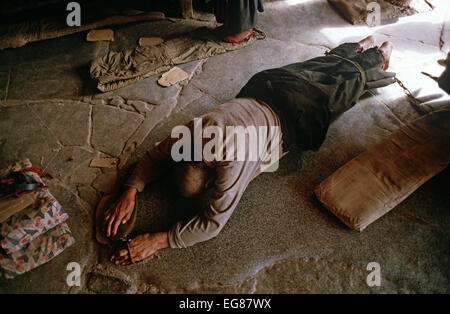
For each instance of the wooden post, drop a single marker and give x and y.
(187, 10)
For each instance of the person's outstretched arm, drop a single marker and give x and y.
(148, 169)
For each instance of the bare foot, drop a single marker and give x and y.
(386, 50)
(366, 43)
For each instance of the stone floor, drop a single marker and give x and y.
(51, 113)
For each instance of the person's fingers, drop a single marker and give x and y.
(109, 213)
(437, 103)
(387, 81)
(380, 74)
(114, 256)
(117, 223)
(389, 74)
(121, 259)
(118, 219)
(110, 225)
(128, 216)
(124, 256)
(107, 218)
(428, 98)
(105, 224)
(376, 76)
(380, 83)
(120, 254)
(416, 92)
(126, 262)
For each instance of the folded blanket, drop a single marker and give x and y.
(118, 69)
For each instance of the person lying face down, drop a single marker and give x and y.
(276, 110)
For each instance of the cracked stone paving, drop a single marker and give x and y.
(51, 113)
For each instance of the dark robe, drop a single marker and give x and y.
(444, 80)
(307, 95)
(237, 15)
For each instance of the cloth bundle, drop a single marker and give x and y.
(119, 69)
(34, 235)
(356, 11)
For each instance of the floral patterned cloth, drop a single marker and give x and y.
(36, 234)
(37, 252)
(25, 226)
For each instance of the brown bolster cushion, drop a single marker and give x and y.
(377, 180)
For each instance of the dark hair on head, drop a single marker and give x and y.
(190, 178)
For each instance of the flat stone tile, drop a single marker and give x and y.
(66, 160)
(112, 127)
(55, 68)
(83, 174)
(149, 90)
(69, 121)
(106, 182)
(23, 136)
(72, 49)
(301, 21)
(44, 81)
(146, 90)
(99, 283)
(88, 194)
(188, 94)
(316, 275)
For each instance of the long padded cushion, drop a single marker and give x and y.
(377, 180)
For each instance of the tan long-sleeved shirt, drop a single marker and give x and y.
(232, 177)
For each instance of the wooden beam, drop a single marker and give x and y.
(187, 10)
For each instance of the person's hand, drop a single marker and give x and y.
(120, 212)
(376, 78)
(141, 247)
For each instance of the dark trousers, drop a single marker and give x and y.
(307, 95)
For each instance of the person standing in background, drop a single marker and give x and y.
(238, 16)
